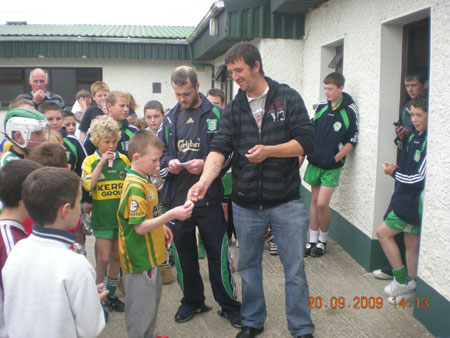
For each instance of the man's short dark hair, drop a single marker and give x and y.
(12, 176)
(154, 104)
(140, 141)
(216, 93)
(49, 154)
(46, 189)
(182, 74)
(421, 101)
(420, 74)
(245, 51)
(335, 78)
(49, 105)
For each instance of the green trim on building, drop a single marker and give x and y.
(366, 251)
(92, 50)
(436, 317)
(369, 254)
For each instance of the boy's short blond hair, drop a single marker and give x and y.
(98, 85)
(104, 126)
(113, 96)
(140, 142)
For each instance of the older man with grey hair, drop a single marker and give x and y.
(38, 81)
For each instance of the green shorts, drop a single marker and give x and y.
(107, 234)
(316, 176)
(396, 224)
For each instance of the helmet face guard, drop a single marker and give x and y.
(26, 122)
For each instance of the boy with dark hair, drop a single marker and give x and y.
(416, 82)
(75, 151)
(14, 213)
(216, 96)
(153, 114)
(69, 122)
(404, 212)
(50, 155)
(60, 276)
(336, 129)
(143, 234)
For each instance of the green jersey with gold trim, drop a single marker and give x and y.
(106, 193)
(139, 201)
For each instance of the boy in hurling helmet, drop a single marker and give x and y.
(25, 128)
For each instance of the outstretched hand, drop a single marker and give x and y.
(197, 192)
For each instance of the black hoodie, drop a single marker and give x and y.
(275, 180)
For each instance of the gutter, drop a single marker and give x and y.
(216, 8)
(191, 54)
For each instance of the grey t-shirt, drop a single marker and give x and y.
(257, 106)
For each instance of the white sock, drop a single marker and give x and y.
(323, 237)
(313, 236)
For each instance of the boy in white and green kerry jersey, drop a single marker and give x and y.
(142, 234)
(103, 173)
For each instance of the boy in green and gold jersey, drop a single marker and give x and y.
(143, 234)
(103, 173)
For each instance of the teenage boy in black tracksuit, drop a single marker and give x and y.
(336, 128)
(187, 132)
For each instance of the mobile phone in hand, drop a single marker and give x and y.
(396, 124)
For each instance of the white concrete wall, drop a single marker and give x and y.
(369, 29)
(134, 76)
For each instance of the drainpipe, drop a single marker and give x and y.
(191, 54)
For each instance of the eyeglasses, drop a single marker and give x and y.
(73, 124)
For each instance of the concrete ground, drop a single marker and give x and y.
(335, 274)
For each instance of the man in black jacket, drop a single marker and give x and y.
(268, 128)
(187, 131)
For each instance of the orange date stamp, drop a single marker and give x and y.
(364, 302)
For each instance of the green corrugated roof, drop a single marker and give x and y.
(105, 31)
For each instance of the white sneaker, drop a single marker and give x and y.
(407, 297)
(395, 289)
(379, 274)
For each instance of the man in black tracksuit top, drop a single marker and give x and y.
(267, 128)
(336, 128)
(187, 131)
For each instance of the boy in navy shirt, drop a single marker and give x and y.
(405, 210)
(336, 129)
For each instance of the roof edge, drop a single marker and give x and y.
(175, 41)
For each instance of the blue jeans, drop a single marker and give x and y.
(289, 224)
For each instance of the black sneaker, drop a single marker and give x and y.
(308, 248)
(319, 249)
(181, 317)
(114, 304)
(234, 318)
